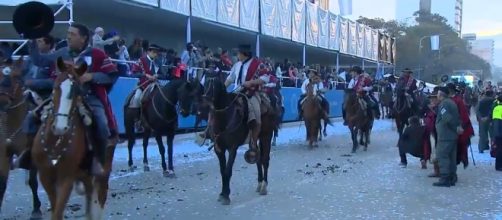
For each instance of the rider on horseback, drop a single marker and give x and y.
(315, 79)
(150, 67)
(361, 83)
(271, 88)
(100, 77)
(245, 73)
(408, 85)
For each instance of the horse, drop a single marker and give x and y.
(358, 119)
(230, 129)
(13, 109)
(159, 114)
(312, 113)
(385, 97)
(62, 147)
(402, 111)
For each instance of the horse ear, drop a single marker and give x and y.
(61, 64)
(81, 69)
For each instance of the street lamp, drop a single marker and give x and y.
(420, 52)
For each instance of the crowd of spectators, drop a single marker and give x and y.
(195, 60)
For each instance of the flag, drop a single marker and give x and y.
(345, 7)
(435, 42)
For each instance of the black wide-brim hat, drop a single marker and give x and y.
(444, 89)
(407, 70)
(33, 20)
(244, 48)
(155, 47)
(452, 87)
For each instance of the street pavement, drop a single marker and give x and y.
(321, 183)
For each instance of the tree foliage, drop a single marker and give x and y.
(427, 64)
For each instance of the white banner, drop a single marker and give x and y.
(205, 9)
(323, 28)
(435, 42)
(382, 55)
(376, 41)
(360, 40)
(394, 50)
(368, 45)
(344, 35)
(228, 12)
(345, 7)
(269, 17)
(312, 25)
(249, 15)
(148, 2)
(283, 22)
(333, 32)
(178, 6)
(47, 2)
(388, 48)
(298, 22)
(352, 38)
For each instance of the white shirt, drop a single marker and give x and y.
(352, 83)
(234, 73)
(317, 87)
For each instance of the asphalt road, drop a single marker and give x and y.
(324, 183)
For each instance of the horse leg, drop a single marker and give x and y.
(4, 176)
(367, 139)
(100, 187)
(264, 160)
(259, 166)
(170, 149)
(324, 129)
(223, 163)
(33, 182)
(47, 180)
(146, 136)
(64, 187)
(228, 172)
(129, 121)
(361, 135)
(353, 134)
(276, 134)
(318, 132)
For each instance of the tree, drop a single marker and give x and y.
(427, 64)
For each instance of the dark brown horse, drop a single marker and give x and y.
(13, 109)
(359, 120)
(159, 114)
(312, 114)
(385, 98)
(402, 111)
(61, 149)
(229, 130)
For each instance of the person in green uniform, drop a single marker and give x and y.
(448, 128)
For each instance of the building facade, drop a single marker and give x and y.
(483, 48)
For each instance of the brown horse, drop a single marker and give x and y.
(359, 120)
(159, 115)
(61, 147)
(312, 114)
(385, 98)
(13, 109)
(402, 111)
(229, 130)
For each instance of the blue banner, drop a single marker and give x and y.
(124, 87)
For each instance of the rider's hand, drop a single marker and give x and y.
(86, 77)
(247, 84)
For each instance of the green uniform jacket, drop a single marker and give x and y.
(447, 121)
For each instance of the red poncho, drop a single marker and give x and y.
(465, 138)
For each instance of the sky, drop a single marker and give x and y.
(482, 17)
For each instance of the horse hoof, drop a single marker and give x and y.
(263, 190)
(146, 168)
(79, 188)
(224, 201)
(169, 173)
(36, 215)
(325, 134)
(273, 144)
(365, 149)
(258, 188)
(354, 151)
(132, 168)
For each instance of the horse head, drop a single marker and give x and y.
(11, 83)
(187, 93)
(65, 94)
(214, 91)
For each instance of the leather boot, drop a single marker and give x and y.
(444, 181)
(436, 170)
